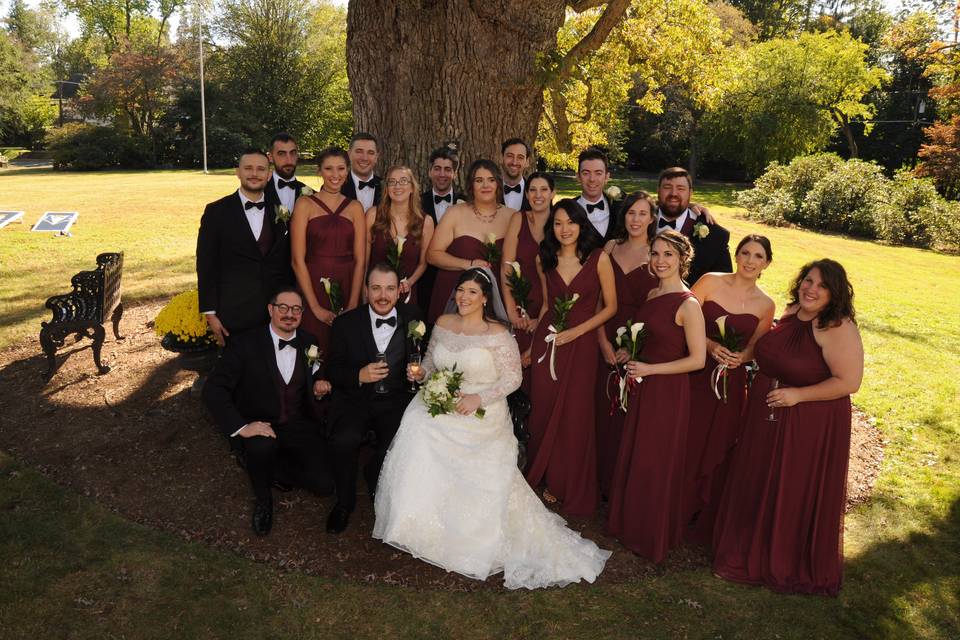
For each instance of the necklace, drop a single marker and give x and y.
(487, 219)
(324, 188)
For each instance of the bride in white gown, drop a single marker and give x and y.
(450, 492)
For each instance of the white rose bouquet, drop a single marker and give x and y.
(442, 391)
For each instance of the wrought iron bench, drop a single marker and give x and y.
(95, 299)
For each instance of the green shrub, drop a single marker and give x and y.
(846, 199)
(87, 147)
(780, 191)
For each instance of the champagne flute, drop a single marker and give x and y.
(774, 384)
(414, 361)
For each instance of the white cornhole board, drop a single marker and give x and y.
(58, 221)
(6, 217)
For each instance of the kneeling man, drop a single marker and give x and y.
(262, 393)
(369, 349)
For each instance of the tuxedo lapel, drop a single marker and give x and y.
(400, 333)
(367, 331)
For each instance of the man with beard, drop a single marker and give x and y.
(367, 366)
(283, 188)
(243, 253)
(262, 394)
(711, 242)
(362, 184)
(515, 158)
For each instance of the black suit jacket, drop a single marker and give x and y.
(525, 205)
(273, 199)
(350, 190)
(711, 253)
(233, 277)
(352, 347)
(242, 389)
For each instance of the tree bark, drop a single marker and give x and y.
(426, 72)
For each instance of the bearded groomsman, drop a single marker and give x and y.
(363, 185)
(593, 172)
(243, 252)
(283, 188)
(711, 242)
(514, 160)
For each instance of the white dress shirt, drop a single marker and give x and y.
(254, 215)
(383, 334)
(364, 196)
(600, 218)
(514, 200)
(286, 361)
(440, 208)
(287, 195)
(681, 220)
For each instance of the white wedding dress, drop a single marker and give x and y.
(450, 492)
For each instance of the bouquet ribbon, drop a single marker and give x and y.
(551, 339)
(719, 374)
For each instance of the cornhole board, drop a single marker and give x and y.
(6, 217)
(56, 221)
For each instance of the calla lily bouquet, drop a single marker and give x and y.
(561, 309)
(334, 294)
(519, 287)
(491, 252)
(394, 252)
(631, 338)
(730, 340)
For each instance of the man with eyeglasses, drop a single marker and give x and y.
(263, 395)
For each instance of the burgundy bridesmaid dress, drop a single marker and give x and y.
(527, 250)
(780, 522)
(714, 428)
(562, 446)
(329, 255)
(468, 248)
(647, 488)
(632, 290)
(409, 257)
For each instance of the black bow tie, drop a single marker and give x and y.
(392, 321)
(281, 183)
(438, 199)
(508, 189)
(364, 184)
(251, 205)
(592, 207)
(663, 222)
(283, 343)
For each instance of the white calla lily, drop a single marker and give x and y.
(722, 325)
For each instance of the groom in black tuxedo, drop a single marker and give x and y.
(283, 188)
(363, 185)
(711, 242)
(262, 395)
(367, 367)
(243, 253)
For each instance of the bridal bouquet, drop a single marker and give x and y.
(491, 252)
(730, 340)
(334, 293)
(630, 338)
(519, 287)
(394, 252)
(442, 390)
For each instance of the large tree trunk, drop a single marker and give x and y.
(426, 72)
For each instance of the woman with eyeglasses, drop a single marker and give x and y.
(328, 245)
(469, 234)
(399, 233)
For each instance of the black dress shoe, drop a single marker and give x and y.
(262, 517)
(281, 486)
(338, 520)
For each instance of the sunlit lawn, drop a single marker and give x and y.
(58, 551)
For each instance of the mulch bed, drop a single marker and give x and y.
(136, 441)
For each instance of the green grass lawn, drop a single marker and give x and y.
(70, 568)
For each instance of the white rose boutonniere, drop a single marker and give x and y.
(700, 231)
(306, 191)
(613, 192)
(282, 214)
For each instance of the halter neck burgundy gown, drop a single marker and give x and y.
(409, 257)
(714, 427)
(632, 289)
(781, 517)
(562, 443)
(468, 248)
(329, 255)
(647, 488)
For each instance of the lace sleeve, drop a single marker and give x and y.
(427, 363)
(506, 358)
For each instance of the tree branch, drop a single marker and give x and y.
(611, 15)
